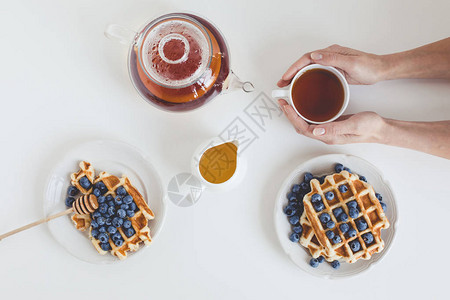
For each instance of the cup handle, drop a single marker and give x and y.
(120, 34)
(280, 94)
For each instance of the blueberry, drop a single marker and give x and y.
(94, 224)
(292, 197)
(112, 229)
(111, 210)
(383, 206)
(127, 199)
(347, 169)
(69, 201)
(337, 211)
(109, 198)
(329, 196)
(94, 233)
(116, 236)
(121, 213)
(108, 221)
(321, 259)
(121, 191)
(96, 214)
(297, 229)
(335, 264)
(355, 245)
(96, 192)
(293, 220)
(102, 229)
(289, 210)
(101, 221)
(352, 204)
(118, 200)
(127, 224)
(343, 188)
(105, 246)
(344, 227)
(379, 197)
(314, 263)
(353, 213)
(296, 188)
(336, 239)
(319, 206)
(368, 238)
(330, 225)
(103, 237)
(117, 222)
(324, 218)
(85, 183)
(315, 198)
(343, 217)
(101, 199)
(111, 204)
(103, 208)
(338, 168)
(129, 232)
(134, 207)
(322, 180)
(300, 197)
(130, 213)
(294, 237)
(72, 191)
(125, 206)
(362, 178)
(330, 234)
(304, 186)
(361, 225)
(118, 242)
(308, 176)
(102, 187)
(351, 232)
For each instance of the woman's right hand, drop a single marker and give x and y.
(358, 67)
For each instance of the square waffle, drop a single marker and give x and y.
(82, 222)
(369, 209)
(87, 170)
(139, 222)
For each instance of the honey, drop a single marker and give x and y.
(218, 164)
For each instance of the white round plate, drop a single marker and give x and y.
(118, 159)
(324, 165)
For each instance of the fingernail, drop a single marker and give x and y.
(319, 131)
(316, 56)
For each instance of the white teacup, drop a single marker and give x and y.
(287, 93)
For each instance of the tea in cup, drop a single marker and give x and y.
(319, 94)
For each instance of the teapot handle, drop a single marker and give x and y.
(234, 83)
(120, 34)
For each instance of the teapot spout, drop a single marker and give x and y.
(233, 83)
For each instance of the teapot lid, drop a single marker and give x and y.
(176, 51)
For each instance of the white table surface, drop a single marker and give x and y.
(62, 82)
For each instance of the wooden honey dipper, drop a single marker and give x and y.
(84, 205)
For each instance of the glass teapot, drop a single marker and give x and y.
(178, 62)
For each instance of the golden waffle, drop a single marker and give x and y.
(369, 209)
(309, 240)
(85, 170)
(82, 222)
(139, 221)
